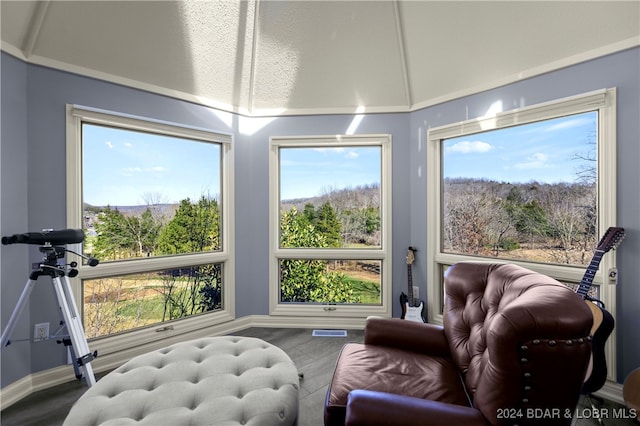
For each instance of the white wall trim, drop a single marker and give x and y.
(611, 391)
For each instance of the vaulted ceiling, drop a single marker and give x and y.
(264, 57)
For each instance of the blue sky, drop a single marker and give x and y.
(124, 168)
(543, 151)
(131, 168)
(309, 172)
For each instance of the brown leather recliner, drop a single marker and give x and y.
(514, 349)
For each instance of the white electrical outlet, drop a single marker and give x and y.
(416, 292)
(41, 332)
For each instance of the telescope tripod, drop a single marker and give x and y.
(71, 319)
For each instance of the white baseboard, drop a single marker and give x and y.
(40, 380)
(611, 391)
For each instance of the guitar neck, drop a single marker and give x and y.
(587, 279)
(410, 285)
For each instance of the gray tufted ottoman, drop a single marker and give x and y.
(223, 380)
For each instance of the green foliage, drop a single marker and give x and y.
(327, 224)
(121, 237)
(194, 228)
(360, 225)
(306, 280)
(528, 217)
(548, 222)
(303, 280)
(189, 291)
(210, 278)
(509, 244)
(372, 220)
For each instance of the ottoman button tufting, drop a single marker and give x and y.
(202, 374)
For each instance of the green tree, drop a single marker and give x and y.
(372, 220)
(309, 212)
(327, 224)
(528, 216)
(189, 291)
(121, 237)
(308, 280)
(110, 239)
(194, 228)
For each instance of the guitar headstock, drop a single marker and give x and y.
(410, 255)
(611, 239)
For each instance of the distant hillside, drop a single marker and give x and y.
(164, 209)
(161, 212)
(342, 199)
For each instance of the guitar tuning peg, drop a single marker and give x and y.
(613, 273)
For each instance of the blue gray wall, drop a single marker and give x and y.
(33, 180)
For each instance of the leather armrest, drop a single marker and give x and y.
(371, 408)
(406, 335)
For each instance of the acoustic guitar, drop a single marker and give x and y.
(411, 310)
(603, 321)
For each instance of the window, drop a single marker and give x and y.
(153, 199)
(534, 186)
(330, 218)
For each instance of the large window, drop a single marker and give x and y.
(153, 200)
(534, 186)
(330, 221)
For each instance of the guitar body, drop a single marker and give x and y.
(412, 313)
(602, 328)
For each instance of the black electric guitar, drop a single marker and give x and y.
(411, 310)
(603, 322)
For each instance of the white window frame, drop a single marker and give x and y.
(76, 116)
(604, 101)
(383, 253)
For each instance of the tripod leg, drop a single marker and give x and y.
(5, 340)
(76, 368)
(74, 326)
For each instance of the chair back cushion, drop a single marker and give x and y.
(520, 340)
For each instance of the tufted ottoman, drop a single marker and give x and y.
(223, 380)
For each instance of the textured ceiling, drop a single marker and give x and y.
(262, 57)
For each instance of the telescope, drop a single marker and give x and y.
(47, 236)
(51, 243)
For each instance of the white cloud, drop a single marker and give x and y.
(467, 147)
(567, 124)
(130, 171)
(538, 160)
(109, 144)
(128, 144)
(352, 154)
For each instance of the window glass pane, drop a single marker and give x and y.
(148, 195)
(330, 197)
(330, 281)
(524, 192)
(125, 302)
